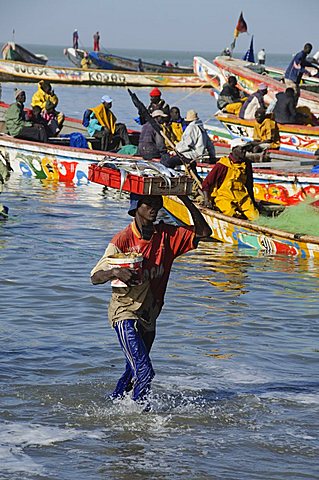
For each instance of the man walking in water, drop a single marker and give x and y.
(96, 42)
(133, 309)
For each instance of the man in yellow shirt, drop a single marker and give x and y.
(266, 133)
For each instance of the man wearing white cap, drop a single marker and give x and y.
(254, 101)
(229, 185)
(195, 143)
(103, 125)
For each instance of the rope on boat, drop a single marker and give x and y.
(193, 91)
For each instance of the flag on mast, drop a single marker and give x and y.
(241, 27)
(249, 55)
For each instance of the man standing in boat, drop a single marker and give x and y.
(75, 39)
(297, 67)
(133, 309)
(96, 42)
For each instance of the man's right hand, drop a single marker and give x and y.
(123, 274)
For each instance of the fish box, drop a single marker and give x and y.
(144, 185)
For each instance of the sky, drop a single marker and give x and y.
(279, 26)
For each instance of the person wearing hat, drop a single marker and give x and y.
(16, 124)
(194, 145)
(133, 309)
(105, 126)
(151, 143)
(229, 185)
(254, 101)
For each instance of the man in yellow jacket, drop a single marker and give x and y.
(229, 184)
(105, 118)
(266, 132)
(42, 95)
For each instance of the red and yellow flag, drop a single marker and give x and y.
(241, 26)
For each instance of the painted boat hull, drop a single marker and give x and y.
(244, 234)
(26, 72)
(70, 165)
(116, 62)
(295, 138)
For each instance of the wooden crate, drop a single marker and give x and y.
(155, 185)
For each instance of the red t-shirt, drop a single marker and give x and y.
(167, 243)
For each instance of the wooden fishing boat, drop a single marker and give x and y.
(217, 74)
(106, 61)
(25, 72)
(243, 233)
(13, 51)
(115, 62)
(286, 181)
(296, 138)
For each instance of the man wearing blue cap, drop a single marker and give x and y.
(103, 125)
(133, 309)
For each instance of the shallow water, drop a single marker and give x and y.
(236, 391)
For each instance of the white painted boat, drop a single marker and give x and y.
(11, 71)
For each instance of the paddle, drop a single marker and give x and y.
(148, 117)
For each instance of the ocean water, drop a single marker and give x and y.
(236, 391)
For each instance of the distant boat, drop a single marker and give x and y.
(108, 61)
(13, 51)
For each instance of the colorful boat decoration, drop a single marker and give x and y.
(58, 162)
(13, 51)
(25, 72)
(67, 164)
(243, 233)
(218, 72)
(296, 138)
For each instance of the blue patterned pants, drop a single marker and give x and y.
(136, 344)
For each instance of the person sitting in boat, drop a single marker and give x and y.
(254, 101)
(231, 99)
(86, 62)
(266, 133)
(50, 116)
(16, 124)
(42, 95)
(156, 103)
(177, 123)
(229, 185)
(285, 110)
(151, 143)
(105, 126)
(35, 117)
